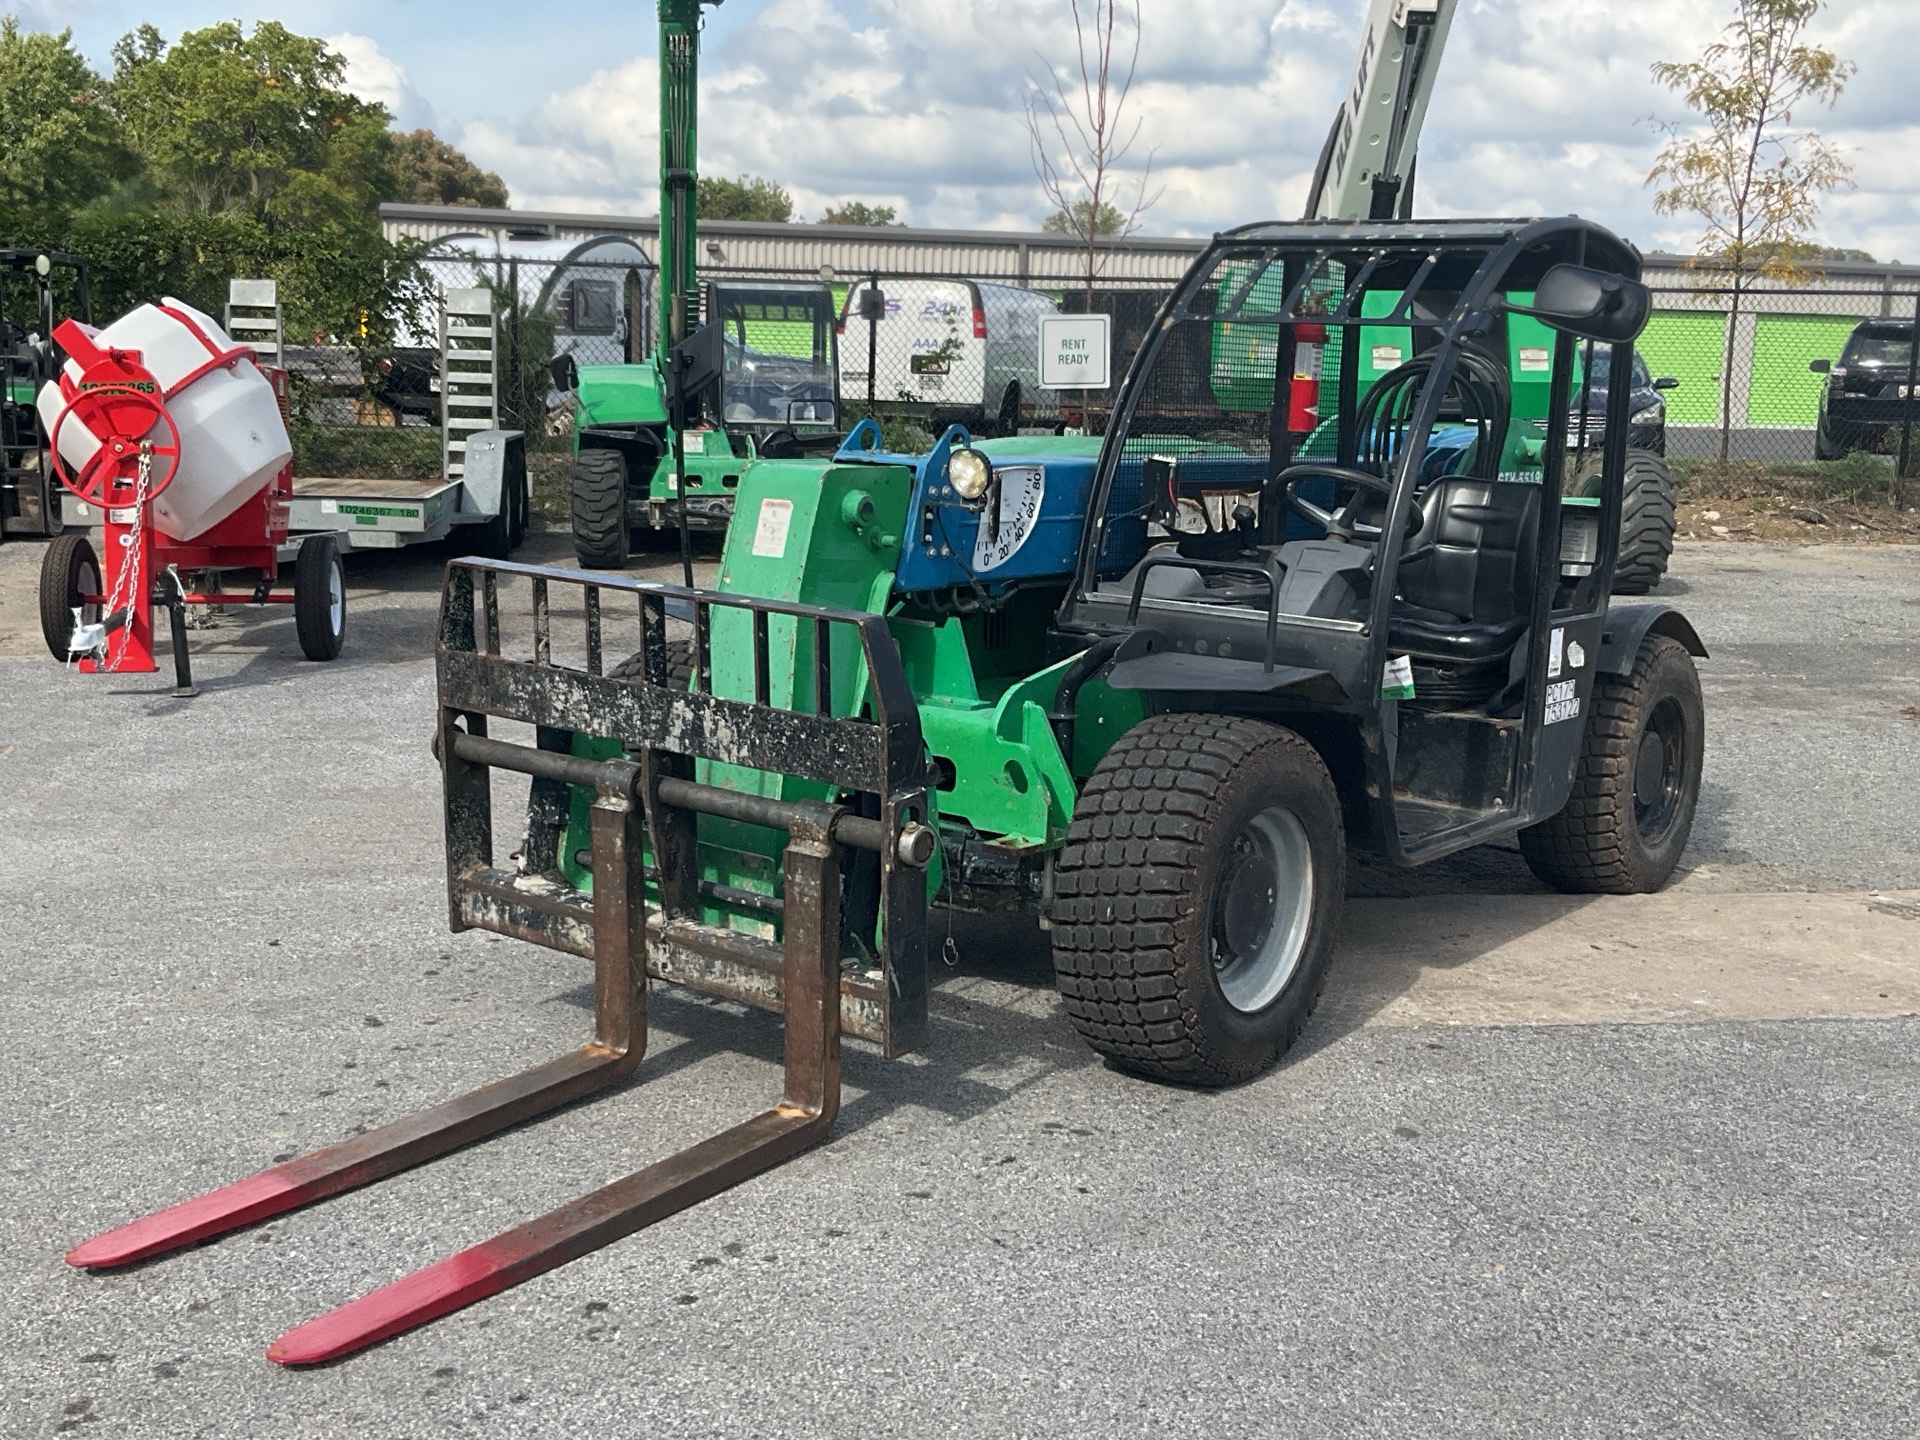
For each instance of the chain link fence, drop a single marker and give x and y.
(1775, 379)
(1787, 375)
(918, 352)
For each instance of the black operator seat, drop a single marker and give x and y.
(1465, 582)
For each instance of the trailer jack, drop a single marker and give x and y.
(653, 794)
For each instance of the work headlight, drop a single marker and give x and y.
(970, 473)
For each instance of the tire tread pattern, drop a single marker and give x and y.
(1590, 846)
(1123, 884)
(1647, 524)
(599, 506)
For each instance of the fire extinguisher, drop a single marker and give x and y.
(1303, 400)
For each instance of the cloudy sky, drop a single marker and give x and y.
(1542, 105)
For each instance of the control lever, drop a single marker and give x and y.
(1247, 521)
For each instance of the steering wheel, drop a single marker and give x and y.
(126, 419)
(1342, 522)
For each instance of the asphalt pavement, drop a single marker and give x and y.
(1671, 1195)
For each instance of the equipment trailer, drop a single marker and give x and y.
(1152, 698)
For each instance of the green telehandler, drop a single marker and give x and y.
(1153, 697)
(36, 286)
(636, 474)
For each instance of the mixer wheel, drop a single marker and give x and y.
(68, 571)
(320, 598)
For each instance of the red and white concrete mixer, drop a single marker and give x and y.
(177, 439)
(225, 415)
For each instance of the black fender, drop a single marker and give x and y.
(1628, 625)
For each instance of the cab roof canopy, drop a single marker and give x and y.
(1465, 258)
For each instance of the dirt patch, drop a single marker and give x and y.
(1784, 521)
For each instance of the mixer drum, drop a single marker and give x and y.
(232, 438)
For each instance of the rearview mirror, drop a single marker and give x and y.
(873, 303)
(1590, 304)
(566, 374)
(1820, 367)
(1666, 382)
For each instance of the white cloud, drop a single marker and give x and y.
(376, 77)
(1542, 106)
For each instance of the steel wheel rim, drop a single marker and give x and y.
(1659, 772)
(1262, 910)
(336, 598)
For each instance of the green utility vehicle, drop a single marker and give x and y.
(637, 474)
(1164, 688)
(778, 396)
(37, 289)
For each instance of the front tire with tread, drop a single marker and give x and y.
(320, 598)
(68, 570)
(600, 536)
(1646, 524)
(1141, 880)
(1604, 840)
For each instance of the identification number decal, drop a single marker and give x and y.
(1563, 702)
(1021, 491)
(770, 534)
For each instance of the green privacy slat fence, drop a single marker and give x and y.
(1690, 347)
(1783, 390)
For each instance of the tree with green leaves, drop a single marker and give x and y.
(261, 124)
(858, 212)
(747, 198)
(1742, 169)
(1081, 219)
(429, 171)
(62, 146)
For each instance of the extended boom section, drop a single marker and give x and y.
(648, 912)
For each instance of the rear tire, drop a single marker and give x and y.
(1646, 524)
(1198, 897)
(320, 598)
(600, 536)
(68, 570)
(1625, 826)
(679, 666)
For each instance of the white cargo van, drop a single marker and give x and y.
(960, 351)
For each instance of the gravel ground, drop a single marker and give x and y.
(224, 928)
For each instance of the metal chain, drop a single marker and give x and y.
(127, 577)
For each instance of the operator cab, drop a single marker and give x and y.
(779, 379)
(1364, 542)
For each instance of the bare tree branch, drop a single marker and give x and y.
(1078, 131)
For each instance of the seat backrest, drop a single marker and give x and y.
(1475, 549)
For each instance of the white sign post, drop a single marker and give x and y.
(1075, 352)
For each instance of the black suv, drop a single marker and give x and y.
(1865, 394)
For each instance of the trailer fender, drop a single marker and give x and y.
(494, 460)
(1628, 625)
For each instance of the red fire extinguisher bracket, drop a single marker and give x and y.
(1303, 395)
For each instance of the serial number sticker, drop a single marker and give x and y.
(371, 512)
(770, 534)
(1563, 703)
